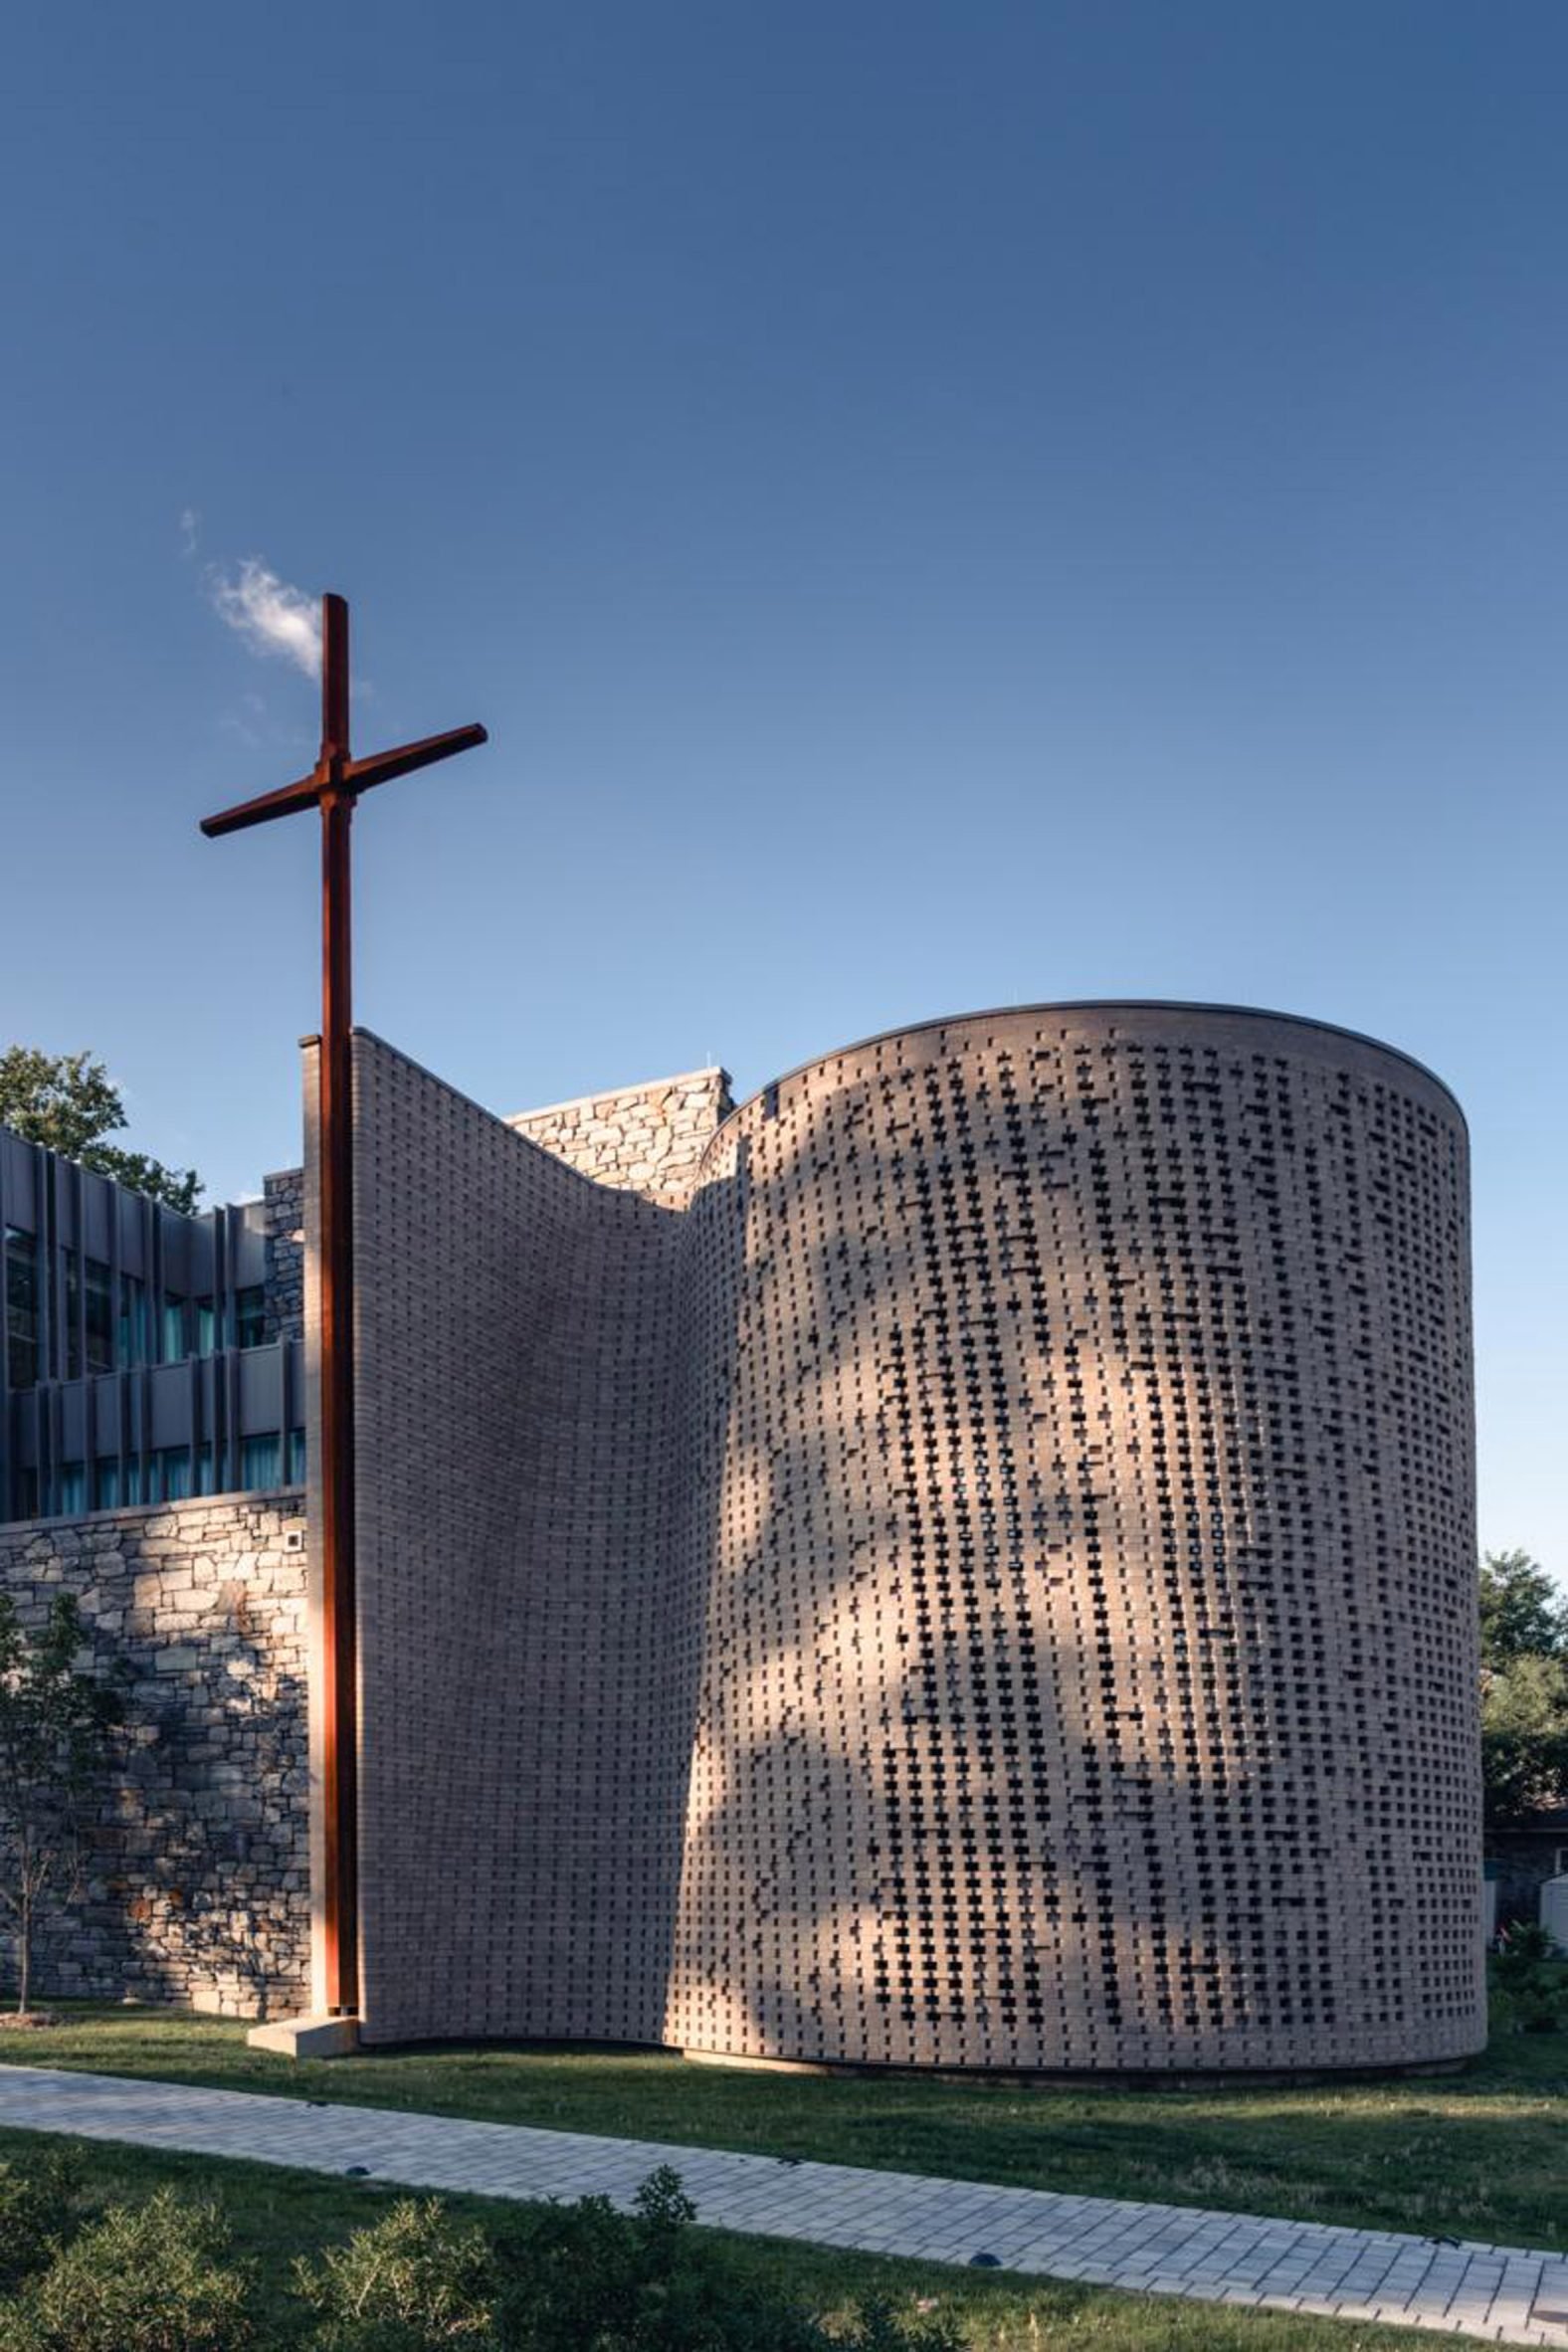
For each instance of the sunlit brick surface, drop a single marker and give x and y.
(989, 1584)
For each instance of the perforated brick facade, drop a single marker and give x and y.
(988, 1584)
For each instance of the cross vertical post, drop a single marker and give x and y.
(335, 1193)
(334, 787)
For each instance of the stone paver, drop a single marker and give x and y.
(1502, 2294)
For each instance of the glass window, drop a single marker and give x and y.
(250, 1312)
(106, 1486)
(258, 1462)
(24, 1492)
(71, 1488)
(206, 1327)
(21, 1307)
(73, 1303)
(101, 1316)
(133, 1321)
(296, 1457)
(132, 1480)
(173, 1474)
(175, 1344)
(204, 1469)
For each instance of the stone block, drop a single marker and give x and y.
(321, 2035)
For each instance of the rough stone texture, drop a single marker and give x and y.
(198, 1887)
(648, 1139)
(991, 1584)
(284, 1198)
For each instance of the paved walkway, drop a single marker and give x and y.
(1500, 2294)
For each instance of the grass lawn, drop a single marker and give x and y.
(278, 2213)
(1478, 2154)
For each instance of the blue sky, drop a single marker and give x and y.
(938, 505)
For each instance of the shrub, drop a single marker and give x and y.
(576, 2274)
(878, 2328)
(414, 2280)
(1531, 1979)
(569, 2279)
(37, 2213)
(586, 2278)
(1521, 1946)
(144, 2279)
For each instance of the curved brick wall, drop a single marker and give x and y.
(1089, 1672)
(1021, 1507)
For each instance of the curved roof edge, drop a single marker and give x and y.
(1101, 1004)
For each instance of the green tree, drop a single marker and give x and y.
(56, 1718)
(69, 1102)
(1523, 1688)
(1523, 1613)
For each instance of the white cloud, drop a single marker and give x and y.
(272, 617)
(190, 530)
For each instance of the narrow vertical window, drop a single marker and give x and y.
(132, 1347)
(175, 1343)
(259, 1462)
(249, 1308)
(100, 1316)
(73, 1318)
(21, 1307)
(174, 1473)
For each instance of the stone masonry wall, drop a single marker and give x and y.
(648, 1139)
(284, 1195)
(198, 1887)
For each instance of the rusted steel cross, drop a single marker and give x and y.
(333, 786)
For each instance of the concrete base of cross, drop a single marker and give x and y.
(321, 2036)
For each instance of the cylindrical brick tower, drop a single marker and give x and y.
(1080, 1539)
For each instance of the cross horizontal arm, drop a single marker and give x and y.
(382, 766)
(358, 775)
(304, 793)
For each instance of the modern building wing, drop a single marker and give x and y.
(146, 1356)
